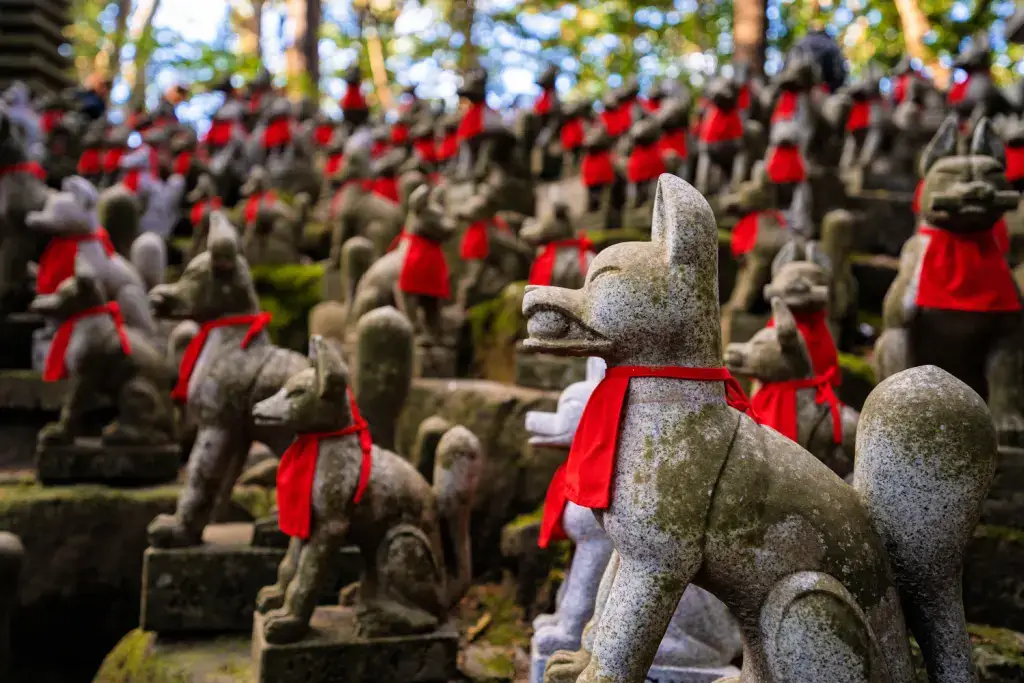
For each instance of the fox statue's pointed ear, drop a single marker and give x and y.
(941, 146)
(787, 254)
(785, 324)
(684, 225)
(986, 143)
(815, 254)
(222, 241)
(331, 373)
(596, 368)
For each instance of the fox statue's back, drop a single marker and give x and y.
(813, 568)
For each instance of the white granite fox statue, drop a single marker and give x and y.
(824, 577)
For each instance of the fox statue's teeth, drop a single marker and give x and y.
(547, 325)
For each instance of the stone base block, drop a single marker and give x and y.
(545, 371)
(332, 653)
(212, 588)
(433, 361)
(89, 461)
(994, 577)
(657, 674)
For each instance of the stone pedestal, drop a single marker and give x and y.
(89, 461)
(548, 372)
(657, 674)
(26, 404)
(212, 588)
(433, 361)
(12, 556)
(332, 653)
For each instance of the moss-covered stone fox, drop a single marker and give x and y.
(233, 366)
(367, 496)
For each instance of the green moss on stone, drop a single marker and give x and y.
(288, 293)
(140, 658)
(1000, 533)
(499, 665)
(255, 500)
(857, 366)
(507, 627)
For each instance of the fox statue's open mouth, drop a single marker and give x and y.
(554, 329)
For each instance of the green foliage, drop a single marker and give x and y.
(496, 325)
(289, 293)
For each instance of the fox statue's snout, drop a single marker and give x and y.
(274, 411)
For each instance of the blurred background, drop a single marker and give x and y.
(148, 45)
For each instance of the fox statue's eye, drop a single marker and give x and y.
(606, 270)
(296, 392)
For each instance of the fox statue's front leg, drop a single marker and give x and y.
(217, 453)
(67, 426)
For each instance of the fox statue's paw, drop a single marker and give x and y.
(269, 598)
(544, 620)
(555, 638)
(167, 531)
(54, 434)
(565, 667)
(1010, 429)
(281, 628)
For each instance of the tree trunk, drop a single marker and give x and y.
(303, 55)
(378, 62)
(250, 32)
(749, 27)
(141, 33)
(915, 28)
(109, 61)
(463, 16)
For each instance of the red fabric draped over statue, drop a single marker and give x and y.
(89, 162)
(544, 265)
(278, 133)
(58, 260)
(591, 463)
(958, 91)
(182, 162)
(472, 122)
(297, 472)
(775, 404)
(859, 117)
(965, 272)
(424, 269)
(544, 103)
(1014, 163)
(56, 368)
(323, 134)
(112, 159)
(785, 165)
(786, 106)
(718, 125)
(200, 209)
(333, 163)
(425, 150)
(674, 141)
(597, 168)
(220, 133)
(256, 322)
(744, 233)
(571, 135)
(387, 187)
(813, 326)
(353, 99)
(449, 147)
(645, 163)
(253, 203)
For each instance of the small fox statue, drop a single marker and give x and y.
(336, 487)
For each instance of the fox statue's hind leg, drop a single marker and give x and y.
(215, 455)
(272, 597)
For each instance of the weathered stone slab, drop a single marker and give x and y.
(142, 657)
(548, 372)
(212, 588)
(333, 654)
(88, 461)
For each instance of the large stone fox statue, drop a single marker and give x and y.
(230, 365)
(692, 490)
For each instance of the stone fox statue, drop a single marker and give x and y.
(229, 366)
(102, 357)
(804, 406)
(335, 487)
(691, 490)
(954, 303)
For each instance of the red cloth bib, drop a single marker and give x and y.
(256, 322)
(775, 404)
(958, 91)
(1014, 163)
(965, 273)
(58, 260)
(915, 205)
(674, 141)
(131, 180)
(571, 135)
(786, 106)
(425, 269)
(543, 104)
(278, 133)
(649, 105)
(472, 123)
(379, 149)
(219, 134)
(475, 245)
(56, 364)
(744, 233)
(591, 463)
(201, 208)
(49, 119)
(387, 187)
(399, 134)
(645, 163)
(551, 528)
(333, 163)
(182, 163)
(817, 337)
(544, 265)
(617, 121)
(449, 147)
(112, 159)
(743, 98)
(1001, 233)
(323, 134)
(859, 117)
(899, 88)
(253, 203)
(425, 149)
(597, 169)
(720, 126)
(297, 471)
(30, 167)
(353, 99)
(89, 162)
(786, 165)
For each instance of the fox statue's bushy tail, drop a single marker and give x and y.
(457, 468)
(926, 454)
